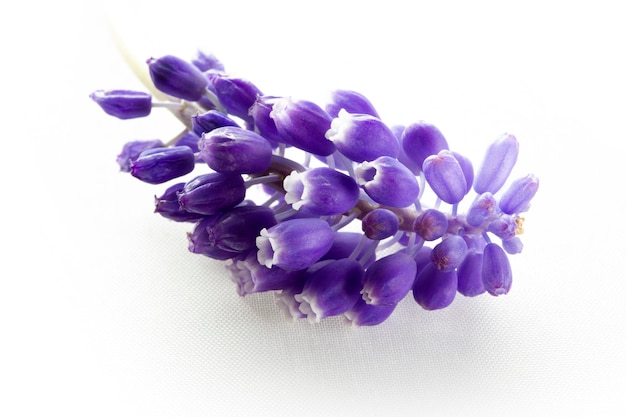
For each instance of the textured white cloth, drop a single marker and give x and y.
(104, 312)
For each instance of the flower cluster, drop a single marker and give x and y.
(324, 206)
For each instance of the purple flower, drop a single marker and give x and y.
(435, 289)
(177, 78)
(388, 182)
(260, 113)
(448, 254)
(504, 226)
(235, 150)
(513, 245)
(123, 104)
(421, 140)
(321, 191)
(445, 176)
(497, 164)
(189, 139)
(205, 62)
(331, 288)
(362, 137)
(167, 205)
(156, 166)
(467, 168)
(483, 209)
(516, 199)
(380, 224)
(363, 314)
(211, 193)
(294, 244)
(303, 124)
(287, 302)
(496, 271)
(431, 224)
(389, 279)
(350, 101)
(132, 150)
(210, 120)
(470, 278)
(252, 277)
(237, 95)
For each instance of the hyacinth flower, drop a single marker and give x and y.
(324, 204)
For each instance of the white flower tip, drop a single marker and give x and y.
(308, 308)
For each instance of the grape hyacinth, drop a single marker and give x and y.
(336, 212)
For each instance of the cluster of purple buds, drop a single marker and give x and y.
(324, 205)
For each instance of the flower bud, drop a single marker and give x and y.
(350, 101)
(252, 277)
(211, 193)
(156, 166)
(388, 182)
(380, 224)
(123, 104)
(210, 120)
(431, 224)
(389, 279)
(513, 246)
(235, 150)
(496, 271)
(362, 137)
(303, 124)
(504, 226)
(467, 168)
(497, 164)
(321, 191)
(202, 242)
(448, 254)
(167, 205)
(470, 279)
(331, 288)
(445, 176)
(482, 209)
(177, 78)
(517, 197)
(236, 229)
(260, 113)
(189, 139)
(132, 150)
(205, 62)
(237, 95)
(421, 140)
(363, 314)
(294, 244)
(435, 289)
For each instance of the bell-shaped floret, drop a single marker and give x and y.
(177, 77)
(167, 205)
(363, 314)
(435, 289)
(470, 275)
(252, 277)
(516, 199)
(388, 182)
(445, 176)
(380, 224)
(483, 209)
(350, 101)
(362, 137)
(421, 140)
(212, 193)
(497, 164)
(210, 120)
(431, 224)
(158, 165)
(123, 104)
(448, 254)
(236, 95)
(496, 271)
(235, 150)
(389, 279)
(132, 150)
(321, 191)
(331, 288)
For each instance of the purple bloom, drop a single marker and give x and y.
(421, 140)
(516, 199)
(236, 229)
(294, 244)
(189, 139)
(156, 166)
(303, 124)
(435, 289)
(380, 224)
(431, 224)
(388, 182)
(498, 163)
(470, 278)
(237, 95)
(504, 226)
(287, 302)
(132, 150)
(363, 314)
(445, 176)
(260, 113)
(211, 193)
(350, 101)
(210, 120)
(362, 137)
(123, 104)
(177, 78)
(201, 241)
(331, 288)
(496, 271)
(252, 277)
(448, 254)
(389, 279)
(321, 191)
(483, 209)
(167, 205)
(205, 62)
(513, 245)
(235, 150)
(467, 168)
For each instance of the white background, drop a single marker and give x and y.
(103, 312)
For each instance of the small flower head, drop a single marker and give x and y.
(470, 278)
(498, 163)
(210, 120)
(388, 182)
(496, 271)
(421, 140)
(363, 314)
(235, 150)
(431, 224)
(167, 205)
(389, 279)
(177, 77)
(123, 104)
(435, 289)
(212, 193)
(380, 224)
(448, 254)
(158, 165)
(482, 210)
(445, 176)
(237, 95)
(516, 199)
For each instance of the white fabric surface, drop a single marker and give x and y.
(104, 312)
